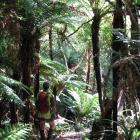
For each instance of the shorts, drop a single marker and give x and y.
(46, 116)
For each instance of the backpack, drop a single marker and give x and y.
(44, 102)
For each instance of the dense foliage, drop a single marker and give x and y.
(88, 50)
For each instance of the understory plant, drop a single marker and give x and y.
(83, 106)
(16, 132)
(128, 126)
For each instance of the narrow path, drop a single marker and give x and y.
(70, 136)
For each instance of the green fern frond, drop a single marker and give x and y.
(87, 103)
(82, 104)
(51, 68)
(10, 81)
(77, 83)
(6, 90)
(18, 132)
(8, 93)
(52, 64)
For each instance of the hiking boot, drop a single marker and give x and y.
(50, 136)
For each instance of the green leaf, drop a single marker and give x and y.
(16, 132)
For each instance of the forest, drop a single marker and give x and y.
(89, 53)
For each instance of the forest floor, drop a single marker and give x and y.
(66, 136)
(65, 133)
(70, 136)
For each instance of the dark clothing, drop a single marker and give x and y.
(46, 106)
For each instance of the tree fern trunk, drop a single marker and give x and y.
(88, 67)
(96, 51)
(50, 42)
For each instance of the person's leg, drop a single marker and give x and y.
(50, 132)
(41, 129)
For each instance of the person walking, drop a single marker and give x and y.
(46, 110)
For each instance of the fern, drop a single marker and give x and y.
(82, 104)
(53, 69)
(11, 82)
(18, 132)
(6, 92)
(53, 65)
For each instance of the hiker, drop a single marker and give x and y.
(46, 111)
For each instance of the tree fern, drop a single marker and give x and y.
(42, 11)
(6, 91)
(18, 132)
(10, 81)
(82, 104)
(53, 69)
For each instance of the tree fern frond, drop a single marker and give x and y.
(51, 66)
(54, 64)
(11, 82)
(18, 132)
(57, 12)
(9, 94)
(77, 83)
(80, 103)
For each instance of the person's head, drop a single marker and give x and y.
(45, 85)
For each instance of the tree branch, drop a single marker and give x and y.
(79, 28)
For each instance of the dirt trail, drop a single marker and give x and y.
(70, 136)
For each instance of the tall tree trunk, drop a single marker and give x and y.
(96, 51)
(12, 26)
(135, 37)
(26, 56)
(50, 42)
(88, 67)
(26, 53)
(117, 46)
(36, 67)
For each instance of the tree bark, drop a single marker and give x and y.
(26, 51)
(26, 57)
(88, 67)
(37, 64)
(12, 26)
(96, 51)
(135, 37)
(50, 42)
